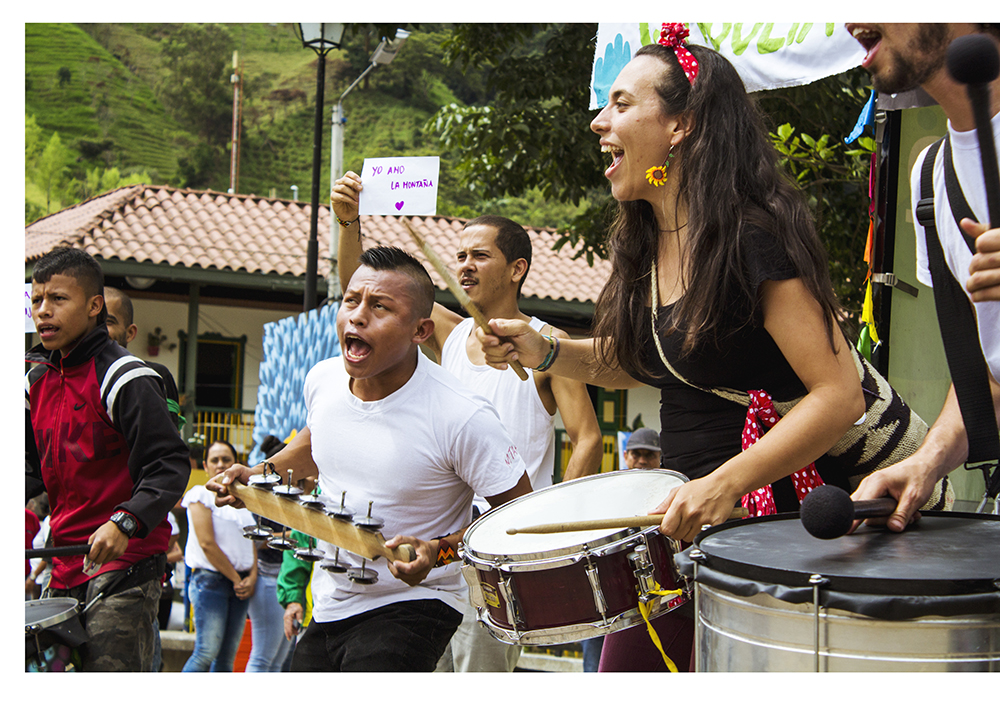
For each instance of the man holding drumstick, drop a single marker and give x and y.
(492, 263)
(387, 426)
(899, 58)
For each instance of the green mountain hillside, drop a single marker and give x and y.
(158, 99)
(105, 113)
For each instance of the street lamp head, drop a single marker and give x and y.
(387, 49)
(321, 37)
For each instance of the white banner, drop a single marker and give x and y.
(766, 54)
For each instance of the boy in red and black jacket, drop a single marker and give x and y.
(100, 440)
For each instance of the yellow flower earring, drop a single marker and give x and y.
(657, 175)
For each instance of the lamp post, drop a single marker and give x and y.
(384, 53)
(322, 38)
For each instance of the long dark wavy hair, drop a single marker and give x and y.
(729, 179)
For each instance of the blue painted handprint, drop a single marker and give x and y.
(606, 70)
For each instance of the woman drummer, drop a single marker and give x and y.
(712, 233)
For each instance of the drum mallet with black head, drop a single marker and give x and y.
(973, 60)
(828, 512)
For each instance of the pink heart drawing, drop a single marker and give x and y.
(399, 205)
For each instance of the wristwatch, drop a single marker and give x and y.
(126, 522)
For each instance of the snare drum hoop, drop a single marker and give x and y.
(48, 618)
(554, 557)
(559, 635)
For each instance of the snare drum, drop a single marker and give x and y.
(52, 630)
(770, 597)
(542, 589)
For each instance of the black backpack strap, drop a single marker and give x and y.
(966, 362)
(956, 198)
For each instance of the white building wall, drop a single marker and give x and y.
(228, 321)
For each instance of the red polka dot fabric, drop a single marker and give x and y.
(761, 416)
(673, 35)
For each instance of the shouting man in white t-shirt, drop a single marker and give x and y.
(491, 265)
(900, 57)
(386, 425)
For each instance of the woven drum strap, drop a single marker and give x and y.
(760, 416)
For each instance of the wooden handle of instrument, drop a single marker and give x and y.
(652, 519)
(345, 535)
(456, 290)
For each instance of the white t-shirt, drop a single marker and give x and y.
(227, 523)
(969, 170)
(530, 425)
(419, 454)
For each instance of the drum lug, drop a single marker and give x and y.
(643, 572)
(510, 601)
(600, 603)
(817, 581)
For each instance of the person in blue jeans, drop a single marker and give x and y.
(223, 570)
(270, 647)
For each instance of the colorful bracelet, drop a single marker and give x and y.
(550, 358)
(348, 223)
(446, 553)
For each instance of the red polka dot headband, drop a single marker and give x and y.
(673, 35)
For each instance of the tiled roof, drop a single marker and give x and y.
(247, 233)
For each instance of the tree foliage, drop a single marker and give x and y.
(534, 133)
(197, 90)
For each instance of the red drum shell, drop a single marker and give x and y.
(552, 593)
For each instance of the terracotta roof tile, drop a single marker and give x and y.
(210, 230)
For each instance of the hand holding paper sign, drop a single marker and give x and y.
(344, 197)
(405, 185)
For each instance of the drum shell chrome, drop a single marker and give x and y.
(763, 634)
(852, 622)
(552, 596)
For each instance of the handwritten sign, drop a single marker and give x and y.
(404, 185)
(29, 324)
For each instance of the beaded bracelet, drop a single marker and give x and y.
(550, 358)
(348, 223)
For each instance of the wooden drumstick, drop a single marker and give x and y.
(459, 293)
(364, 543)
(652, 519)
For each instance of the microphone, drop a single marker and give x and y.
(827, 511)
(972, 60)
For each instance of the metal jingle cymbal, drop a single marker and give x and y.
(256, 533)
(264, 481)
(369, 523)
(332, 566)
(362, 575)
(281, 544)
(312, 501)
(341, 513)
(288, 492)
(310, 554)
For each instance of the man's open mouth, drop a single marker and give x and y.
(356, 349)
(868, 38)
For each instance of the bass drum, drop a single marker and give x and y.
(769, 597)
(551, 588)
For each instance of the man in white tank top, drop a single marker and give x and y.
(492, 262)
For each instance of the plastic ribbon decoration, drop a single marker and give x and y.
(760, 502)
(644, 609)
(868, 340)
